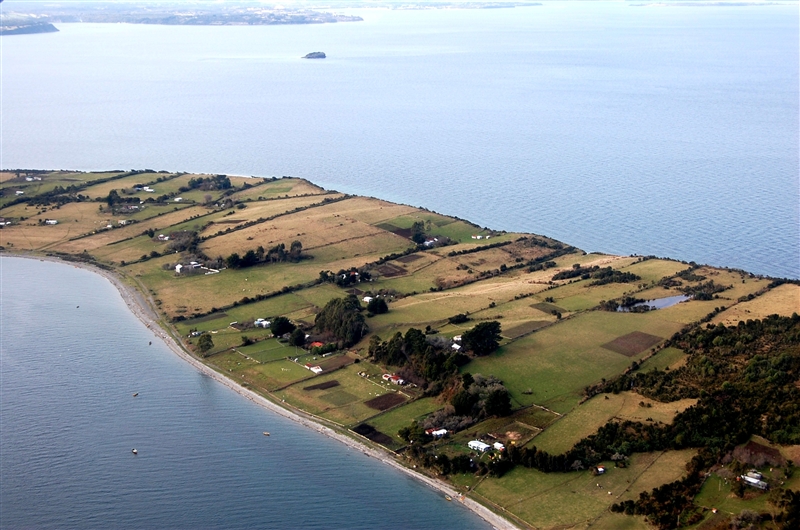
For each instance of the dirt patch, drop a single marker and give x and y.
(334, 363)
(402, 232)
(322, 386)
(758, 455)
(523, 329)
(385, 401)
(409, 258)
(632, 343)
(548, 308)
(206, 318)
(229, 221)
(388, 270)
(354, 291)
(371, 433)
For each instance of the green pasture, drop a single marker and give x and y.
(343, 404)
(267, 350)
(666, 358)
(585, 419)
(395, 419)
(556, 363)
(716, 493)
(653, 270)
(540, 498)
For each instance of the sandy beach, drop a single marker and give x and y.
(142, 307)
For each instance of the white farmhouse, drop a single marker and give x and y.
(477, 445)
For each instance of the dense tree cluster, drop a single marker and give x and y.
(483, 339)
(626, 303)
(217, 182)
(276, 254)
(377, 306)
(423, 356)
(342, 318)
(584, 272)
(481, 397)
(705, 291)
(345, 278)
(608, 275)
(183, 241)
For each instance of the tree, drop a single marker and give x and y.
(204, 343)
(483, 339)
(233, 261)
(498, 403)
(295, 250)
(418, 232)
(377, 306)
(298, 337)
(342, 317)
(281, 325)
(113, 198)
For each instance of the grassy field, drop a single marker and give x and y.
(540, 498)
(392, 421)
(666, 358)
(585, 419)
(556, 363)
(782, 300)
(345, 403)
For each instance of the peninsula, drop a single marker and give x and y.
(540, 385)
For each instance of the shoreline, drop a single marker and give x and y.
(141, 308)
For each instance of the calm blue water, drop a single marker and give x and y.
(653, 130)
(68, 422)
(670, 131)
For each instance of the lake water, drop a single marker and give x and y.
(68, 422)
(670, 131)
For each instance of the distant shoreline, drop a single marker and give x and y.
(144, 311)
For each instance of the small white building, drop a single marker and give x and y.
(149, 189)
(367, 299)
(456, 347)
(178, 199)
(123, 222)
(756, 483)
(498, 446)
(19, 192)
(51, 221)
(261, 323)
(457, 338)
(178, 268)
(477, 445)
(439, 433)
(194, 265)
(162, 237)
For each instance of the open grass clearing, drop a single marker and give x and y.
(671, 358)
(585, 419)
(347, 413)
(126, 183)
(557, 362)
(266, 232)
(269, 189)
(267, 351)
(74, 219)
(716, 493)
(540, 499)
(392, 421)
(782, 300)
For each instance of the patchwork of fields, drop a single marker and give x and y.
(555, 340)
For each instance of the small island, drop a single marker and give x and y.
(499, 367)
(314, 55)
